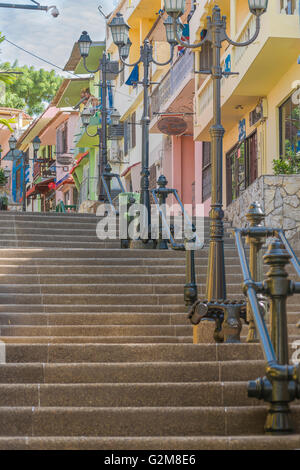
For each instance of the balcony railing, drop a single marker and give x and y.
(170, 84)
(247, 32)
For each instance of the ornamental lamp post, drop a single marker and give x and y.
(120, 34)
(119, 30)
(216, 296)
(85, 44)
(12, 143)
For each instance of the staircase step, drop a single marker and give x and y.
(149, 443)
(124, 353)
(127, 395)
(157, 421)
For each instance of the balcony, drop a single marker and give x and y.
(174, 94)
(260, 65)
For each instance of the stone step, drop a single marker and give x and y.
(60, 244)
(127, 395)
(32, 340)
(110, 263)
(128, 318)
(108, 330)
(143, 372)
(131, 353)
(7, 271)
(261, 442)
(130, 421)
(83, 309)
(100, 279)
(103, 253)
(115, 330)
(102, 289)
(95, 299)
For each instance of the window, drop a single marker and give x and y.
(206, 171)
(129, 133)
(241, 167)
(65, 138)
(122, 74)
(289, 131)
(133, 130)
(126, 137)
(288, 6)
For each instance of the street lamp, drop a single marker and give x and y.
(53, 9)
(115, 117)
(119, 30)
(85, 44)
(36, 144)
(120, 34)
(216, 295)
(12, 143)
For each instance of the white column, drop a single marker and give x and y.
(233, 18)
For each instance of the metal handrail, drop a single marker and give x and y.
(290, 251)
(261, 327)
(281, 385)
(190, 288)
(177, 246)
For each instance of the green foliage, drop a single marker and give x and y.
(289, 165)
(3, 179)
(6, 79)
(33, 90)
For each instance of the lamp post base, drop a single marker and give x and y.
(227, 317)
(142, 244)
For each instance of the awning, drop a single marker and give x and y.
(67, 180)
(40, 188)
(129, 169)
(79, 160)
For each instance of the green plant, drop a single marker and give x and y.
(289, 164)
(3, 179)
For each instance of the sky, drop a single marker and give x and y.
(48, 37)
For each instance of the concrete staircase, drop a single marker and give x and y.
(98, 349)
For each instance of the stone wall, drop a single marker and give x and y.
(279, 197)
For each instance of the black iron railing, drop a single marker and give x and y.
(281, 385)
(166, 237)
(106, 179)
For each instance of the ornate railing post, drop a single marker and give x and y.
(163, 193)
(255, 240)
(190, 288)
(281, 384)
(125, 243)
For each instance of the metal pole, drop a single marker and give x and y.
(216, 281)
(103, 130)
(145, 194)
(24, 182)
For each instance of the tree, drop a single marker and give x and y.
(6, 79)
(33, 90)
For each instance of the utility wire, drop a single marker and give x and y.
(40, 58)
(53, 65)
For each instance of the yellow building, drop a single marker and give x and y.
(142, 16)
(260, 105)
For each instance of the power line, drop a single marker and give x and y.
(53, 65)
(40, 58)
